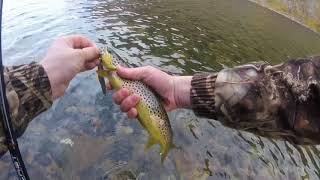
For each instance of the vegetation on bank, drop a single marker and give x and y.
(306, 13)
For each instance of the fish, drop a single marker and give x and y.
(151, 112)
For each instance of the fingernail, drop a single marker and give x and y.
(97, 50)
(135, 97)
(125, 92)
(119, 68)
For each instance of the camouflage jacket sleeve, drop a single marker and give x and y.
(29, 93)
(279, 101)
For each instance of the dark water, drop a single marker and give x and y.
(85, 136)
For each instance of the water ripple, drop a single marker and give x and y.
(177, 36)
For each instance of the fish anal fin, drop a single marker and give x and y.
(165, 150)
(151, 141)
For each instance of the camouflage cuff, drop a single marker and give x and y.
(29, 93)
(30, 84)
(202, 95)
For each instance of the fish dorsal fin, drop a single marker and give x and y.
(151, 141)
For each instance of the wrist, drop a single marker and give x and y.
(30, 82)
(57, 87)
(182, 86)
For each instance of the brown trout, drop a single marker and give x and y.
(151, 113)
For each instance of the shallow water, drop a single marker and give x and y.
(85, 136)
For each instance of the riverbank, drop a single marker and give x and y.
(306, 13)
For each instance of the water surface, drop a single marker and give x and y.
(85, 136)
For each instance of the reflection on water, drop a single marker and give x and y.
(85, 136)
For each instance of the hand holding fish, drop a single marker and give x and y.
(66, 57)
(174, 90)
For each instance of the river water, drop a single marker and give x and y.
(85, 136)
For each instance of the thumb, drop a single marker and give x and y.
(90, 53)
(140, 73)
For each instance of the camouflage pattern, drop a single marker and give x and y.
(29, 93)
(279, 101)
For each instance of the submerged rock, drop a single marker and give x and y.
(123, 175)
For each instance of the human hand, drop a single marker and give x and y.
(66, 57)
(174, 90)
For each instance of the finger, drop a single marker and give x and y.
(139, 73)
(90, 54)
(129, 102)
(109, 87)
(132, 113)
(120, 95)
(91, 65)
(79, 41)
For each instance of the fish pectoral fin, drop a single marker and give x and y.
(102, 73)
(151, 141)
